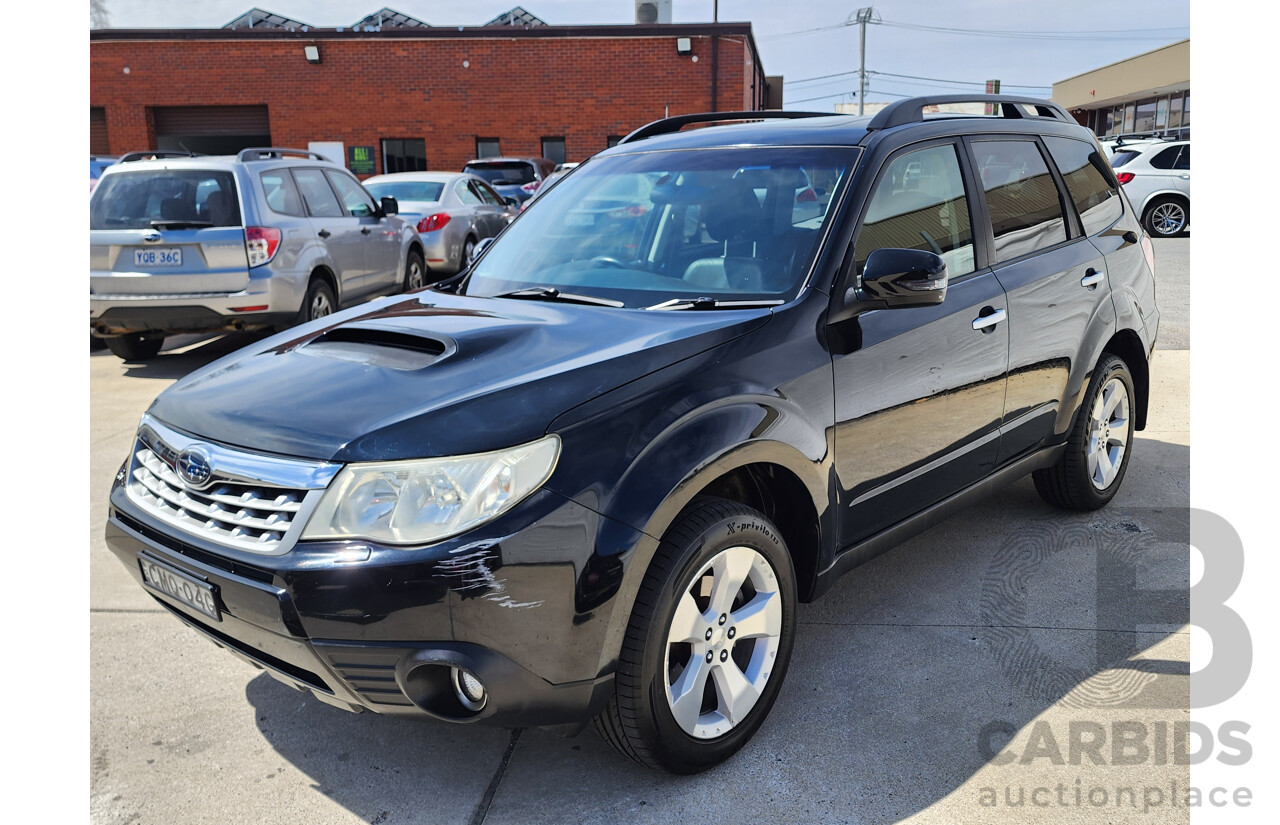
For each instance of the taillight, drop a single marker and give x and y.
(1125, 177)
(261, 242)
(531, 186)
(807, 196)
(433, 222)
(627, 212)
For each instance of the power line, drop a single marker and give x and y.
(961, 82)
(1112, 35)
(819, 97)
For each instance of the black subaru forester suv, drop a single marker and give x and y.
(589, 479)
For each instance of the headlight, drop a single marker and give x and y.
(425, 500)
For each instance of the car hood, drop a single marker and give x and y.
(432, 374)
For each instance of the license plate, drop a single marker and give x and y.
(178, 585)
(580, 219)
(162, 256)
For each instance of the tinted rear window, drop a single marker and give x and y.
(138, 200)
(1096, 199)
(503, 174)
(406, 190)
(1121, 158)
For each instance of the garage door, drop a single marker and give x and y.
(211, 129)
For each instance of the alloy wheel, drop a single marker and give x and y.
(1108, 433)
(1168, 218)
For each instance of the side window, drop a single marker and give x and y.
(282, 195)
(319, 198)
(354, 198)
(1166, 158)
(920, 203)
(1026, 213)
(1095, 198)
(466, 194)
(485, 194)
(1184, 159)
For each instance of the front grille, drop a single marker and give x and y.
(240, 505)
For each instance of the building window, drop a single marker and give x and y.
(487, 148)
(1186, 111)
(1145, 121)
(553, 149)
(1129, 118)
(1175, 112)
(614, 140)
(404, 155)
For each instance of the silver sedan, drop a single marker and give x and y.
(453, 213)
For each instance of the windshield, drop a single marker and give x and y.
(647, 228)
(510, 173)
(134, 200)
(406, 190)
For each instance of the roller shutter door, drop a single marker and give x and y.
(211, 120)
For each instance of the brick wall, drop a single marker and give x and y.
(369, 88)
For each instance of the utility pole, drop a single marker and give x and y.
(862, 18)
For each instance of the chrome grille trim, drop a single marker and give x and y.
(252, 502)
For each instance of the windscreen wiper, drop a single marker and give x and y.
(713, 303)
(547, 293)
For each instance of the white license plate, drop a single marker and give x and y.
(178, 585)
(160, 256)
(580, 219)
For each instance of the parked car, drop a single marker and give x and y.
(575, 484)
(265, 238)
(1157, 179)
(517, 178)
(453, 212)
(96, 164)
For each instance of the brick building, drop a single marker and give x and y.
(397, 96)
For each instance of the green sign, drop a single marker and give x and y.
(360, 160)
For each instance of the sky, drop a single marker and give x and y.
(807, 41)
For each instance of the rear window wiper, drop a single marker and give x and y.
(175, 223)
(547, 293)
(713, 303)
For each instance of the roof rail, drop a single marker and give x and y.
(675, 124)
(263, 152)
(911, 110)
(156, 154)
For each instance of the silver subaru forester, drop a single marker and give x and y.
(267, 238)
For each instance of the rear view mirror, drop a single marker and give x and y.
(390, 206)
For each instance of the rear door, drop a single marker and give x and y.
(1055, 280)
(339, 231)
(158, 232)
(381, 235)
(919, 391)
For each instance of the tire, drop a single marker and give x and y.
(415, 272)
(726, 542)
(1167, 218)
(1081, 480)
(136, 346)
(318, 302)
(468, 251)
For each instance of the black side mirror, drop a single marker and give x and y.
(511, 201)
(895, 278)
(390, 206)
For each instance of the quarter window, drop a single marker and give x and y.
(1022, 199)
(320, 200)
(920, 203)
(1096, 199)
(282, 195)
(1166, 159)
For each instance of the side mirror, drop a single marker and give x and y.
(895, 278)
(905, 277)
(390, 206)
(512, 202)
(479, 250)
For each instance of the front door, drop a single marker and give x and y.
(919, 391)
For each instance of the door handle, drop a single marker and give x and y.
(324, 233)
(986, 321)
(364, 230)
(1185, 177)
(1091, 278)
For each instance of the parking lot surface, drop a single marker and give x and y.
(960, 677)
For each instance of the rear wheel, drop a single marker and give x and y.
(1167, 218)
(708, 644)
(136, 346)
(468, 252)
(415, 273)
(1089, 473)
(318, 303)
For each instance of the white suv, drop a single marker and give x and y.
(1157, 179)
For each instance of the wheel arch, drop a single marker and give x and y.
(323, 273)
(1127, 346)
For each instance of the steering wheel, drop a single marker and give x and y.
(608, 261)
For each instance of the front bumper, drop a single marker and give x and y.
(530, 613)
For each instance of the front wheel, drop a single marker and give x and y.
(708, 643)
(136, 346)
(1089, 473)
(1167, 218)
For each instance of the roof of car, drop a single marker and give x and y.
(506, 160)
(440, 177)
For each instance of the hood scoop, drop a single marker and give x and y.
(377, 346)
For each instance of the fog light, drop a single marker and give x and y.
(469, 690)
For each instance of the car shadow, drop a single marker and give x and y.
(906, 678)
(184, 354)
